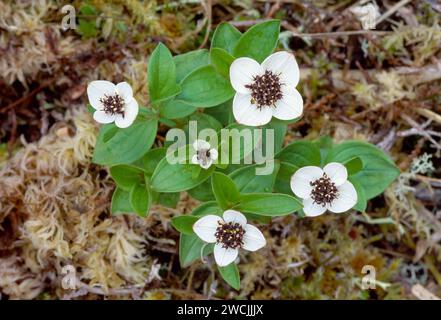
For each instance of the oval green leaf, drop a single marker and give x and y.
(231, 275)
(301, 154)
(205, 88)
(225, 37)
(225, 191)
(269, 204)
(191, 248)
(259, 41)
(162, 75)
(140, 199)
(247, 181)
(124, 146)
(121, 202)
(187, 62)
(126, 176)
(178, 177)
(222, 61)
(378, 169)
(184, 224)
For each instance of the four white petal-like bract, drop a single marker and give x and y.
(113, 103)
(324, 189)
(205, 155)
(266, 90)
(229, 233)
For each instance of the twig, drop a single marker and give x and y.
(391, 11)
(207, 5)
(429, 114)
(420, 130)
(26, 97)
(246, 23)
(422, 293)
(432, 181)
(340, 33)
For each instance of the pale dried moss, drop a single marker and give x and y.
(61, 203)
(388, 88)
(17, 281)
(424, 41)
(28, 42)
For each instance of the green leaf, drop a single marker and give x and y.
(231, 275)
(269, 204)
(225, 191)
(126, 176)
(187, 62)
(202, 192)
(259, 41)
(87, 21)
(90, 109)
(258, 218)
(140, 199)
(121, 202)
(300, 153)
(205, 88)
(247, 181)
(222, 112)
(178, 177)
(86, 28)
(169, 200)
(210, 207)
(175, 109)
(354, 165)
(124, 146)
(191, 248)
(203, 121)
(167, 122)
(225, 37)
(222, 61)
(88, 10)
(279, 128)
(283, 180)
(184, 224)
(151, 159)
(325, 144)
(162, 75)
(237, 145)
(361, 196)
(378, 169)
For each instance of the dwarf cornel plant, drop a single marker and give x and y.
(207, 102)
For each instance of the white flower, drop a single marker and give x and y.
(205, 155)
(324, 189)
(267, 90)
(113, 103)
(230, 233)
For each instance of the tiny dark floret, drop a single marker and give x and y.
(203, 155)
(113, 104)
(266, 90)
(230, 235)
(324, 191)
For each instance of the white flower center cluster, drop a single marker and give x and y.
(230, 235)
(113, 104)
(324, 190)
(203, 156)
(266, 89)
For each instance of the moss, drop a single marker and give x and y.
(54, 203)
